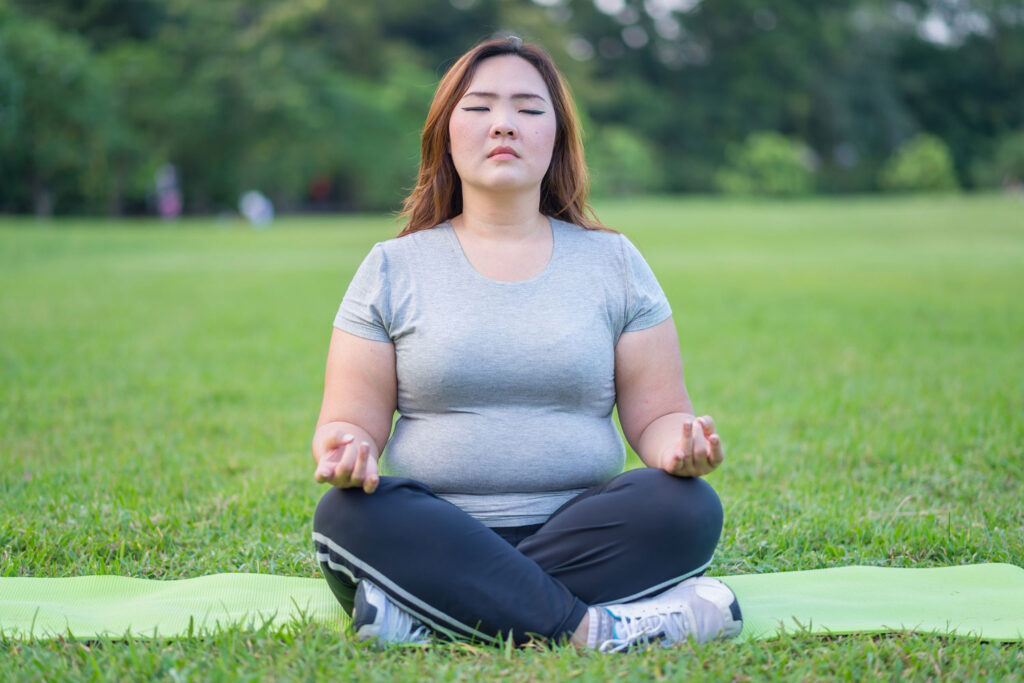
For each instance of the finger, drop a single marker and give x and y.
(717, 454)
(701, 449)
(372, 477)
(681, 465)
(343, 470)
(708, 424)
(338, 438)
(688, 466)
(688, 437)
(327, 464)
(359, 469)
(334, 445)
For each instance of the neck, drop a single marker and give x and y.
(510, 215)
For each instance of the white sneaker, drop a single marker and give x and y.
(376, 616)
(700, 608)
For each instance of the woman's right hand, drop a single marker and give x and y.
(347, 465)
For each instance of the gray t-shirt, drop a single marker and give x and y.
(505, 389)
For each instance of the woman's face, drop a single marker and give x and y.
(502, 131)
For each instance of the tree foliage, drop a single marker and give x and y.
(56, 115)
(1005, 166)
(318, 103)
(768, 164)
(623, 163)
(923, 163)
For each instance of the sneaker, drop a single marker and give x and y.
(700, 608)
(376, 616)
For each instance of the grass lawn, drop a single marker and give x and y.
(863, 358)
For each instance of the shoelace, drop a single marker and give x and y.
(419, 634)
(674, 626)
(405, 628)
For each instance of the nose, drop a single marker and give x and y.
(502, 128)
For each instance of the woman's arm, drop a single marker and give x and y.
(654, 408)
(360, 396)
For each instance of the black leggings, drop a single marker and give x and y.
(629, 538)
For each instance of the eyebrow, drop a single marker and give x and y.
(517, 96)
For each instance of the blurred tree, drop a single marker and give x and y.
(236, 96)
(285, 96)
(696, 76)
(1005, 167)
(622, 163)
(921, 164)
(57, 118)
(101, 22)
(961, 79)
(138, 144)
(767, 164)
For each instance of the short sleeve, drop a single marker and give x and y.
(365, 310)
(646, 305)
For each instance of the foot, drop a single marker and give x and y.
(701, 609)
(376, 616)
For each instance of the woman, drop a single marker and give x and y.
(504, 324)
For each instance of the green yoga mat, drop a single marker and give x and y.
(985, 601)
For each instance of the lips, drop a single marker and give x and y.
(502, 150)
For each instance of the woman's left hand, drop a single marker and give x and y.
(697, 453)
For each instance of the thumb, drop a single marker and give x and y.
(338, 438)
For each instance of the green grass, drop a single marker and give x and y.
(862, 357)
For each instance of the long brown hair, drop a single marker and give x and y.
(437, 196)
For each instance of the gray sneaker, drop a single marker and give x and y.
(700, 608)
(376, 616)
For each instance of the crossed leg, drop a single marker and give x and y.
(632, 537)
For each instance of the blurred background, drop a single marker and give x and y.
(116, 107)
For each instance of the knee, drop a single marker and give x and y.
(340, 511)
(683, 507)
(334, 515)
(334, 504)
(695, 510)
(353, 517)
(670, 490)
(690, 493)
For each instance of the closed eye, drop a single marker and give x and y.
(532, 112)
